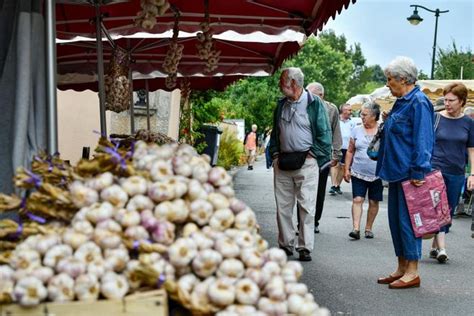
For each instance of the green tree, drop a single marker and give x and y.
(451, 60)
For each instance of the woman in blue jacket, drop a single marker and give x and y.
(405, 154)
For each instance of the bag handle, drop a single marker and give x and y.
(437, 119)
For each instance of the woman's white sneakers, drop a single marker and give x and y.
(439, 254)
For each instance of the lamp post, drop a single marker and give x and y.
(415, 19)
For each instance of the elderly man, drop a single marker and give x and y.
(300, 142)
(333, 114)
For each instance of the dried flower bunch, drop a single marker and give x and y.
(174, 222)
(151, 9)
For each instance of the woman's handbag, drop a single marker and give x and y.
(428, 204)
(292, 161)
(374, 146)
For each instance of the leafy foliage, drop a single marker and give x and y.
(230, 150)
(449, 62)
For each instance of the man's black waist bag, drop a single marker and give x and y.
(292, 161)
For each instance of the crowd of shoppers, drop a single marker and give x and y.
(309, 138)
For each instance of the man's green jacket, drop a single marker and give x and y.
(320, 128)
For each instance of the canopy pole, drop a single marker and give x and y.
(147, 105)
(51, 98)
(130, 80)
(100, 70)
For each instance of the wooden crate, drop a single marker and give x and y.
(139, 304)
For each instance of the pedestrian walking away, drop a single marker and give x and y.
(299, 143)
(360, 169)
(346, 125)
(405, 152)
(333, 115)
(251, 145)
(454, 141)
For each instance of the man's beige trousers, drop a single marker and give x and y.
(291, 186)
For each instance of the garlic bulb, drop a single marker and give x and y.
(6, 273)
(206, 262)
(149, 258)
(55, 254)
(245, 220)
(181, 167)
(200, 211)
(110, 225)
(127, 218)
(163, 233)
(101, 181)
(25, 259)
(247, 292)
(29, 291)
(227, 191)
(83, 227)
(272, 307)
(98, 212)
(180, 211)
(302, 305)
(44, 274)
(86, 287)
(179, 185)
(240, 310)
(252, 258)
(218, 176)
(6, 291)
(231, 268)
(61, 288)
(71, 266)
(160, 191)
(199, 298)
(261, 244)
(113, 286)
(218, 201)
(189, 229)
(137, 233)
(115, 195)
(45, 242)
(88, 253)
(237, 205)
(164, 210)
(222, 219)
(140, 203)
(271, 268)
(221, 292)
(185, 286)
(227, 247)
(161, 170)
(116, 259)
(132, 278)
(182, 252)
(81, 195)
(245, 239)
(296, 288)
(196, 190)
(107, 239)
(277, 255)
(148, 220)
(96, 268)
(202, 241)
(275, 289)
(257, 276)
(73, 238)
(134, 185)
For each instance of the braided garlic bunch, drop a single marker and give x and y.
(206, 49)
(151, 9)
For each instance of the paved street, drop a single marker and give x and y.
(343, 273)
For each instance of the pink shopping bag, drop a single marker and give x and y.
(427, 205)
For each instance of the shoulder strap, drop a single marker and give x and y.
(437, 118)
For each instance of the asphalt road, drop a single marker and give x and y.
(343, 273)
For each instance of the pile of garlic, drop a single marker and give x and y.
(151, 9)
(188, 233)
(206, 49)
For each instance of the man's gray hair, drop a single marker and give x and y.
(469, 110)
(402, 68)
(316, 88)
(374, 108)
(296, 74)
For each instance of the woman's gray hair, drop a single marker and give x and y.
(469, 110)
(296, 74)
(402, 68)
(315, 86)
(374, 108)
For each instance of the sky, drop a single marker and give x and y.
(381, 27)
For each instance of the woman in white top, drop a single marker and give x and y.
(360, 169)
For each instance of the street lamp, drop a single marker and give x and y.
(415, 19)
